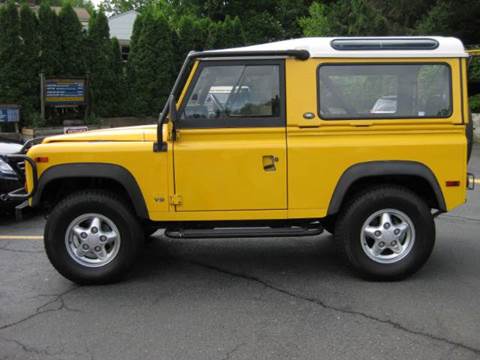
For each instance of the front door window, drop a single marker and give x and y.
(234, 95)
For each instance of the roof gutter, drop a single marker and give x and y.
(161, 145)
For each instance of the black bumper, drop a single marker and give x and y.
(14, 190)
(7, 185)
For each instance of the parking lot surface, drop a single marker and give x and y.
(285, 298)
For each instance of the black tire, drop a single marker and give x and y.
(348, 231)
(105, 204)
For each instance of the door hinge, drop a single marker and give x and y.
(176, 199)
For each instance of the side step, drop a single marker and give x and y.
(242, 232)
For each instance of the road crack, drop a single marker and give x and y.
(61, 353)
(230, 353)
(312, 300)
(28, 349)
(45, 308)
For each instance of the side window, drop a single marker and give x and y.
(384, 91)
(234, 95)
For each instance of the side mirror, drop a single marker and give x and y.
(169, 109)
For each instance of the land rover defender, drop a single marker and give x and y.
(367, 138)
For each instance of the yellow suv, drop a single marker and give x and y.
(368, 138)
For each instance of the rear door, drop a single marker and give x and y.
(230, 153)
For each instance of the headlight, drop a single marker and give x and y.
(5, 168)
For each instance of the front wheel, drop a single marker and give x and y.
(92, 237)
(387, 233)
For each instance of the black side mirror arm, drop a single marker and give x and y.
(161, 145)
(172, 110)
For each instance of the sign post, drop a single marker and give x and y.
(63, 95)
(10, 114)
(42, 97)
(65, 92)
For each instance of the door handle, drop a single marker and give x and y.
(269, 162)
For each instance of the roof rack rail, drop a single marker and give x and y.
(298, 54)
(384, 44)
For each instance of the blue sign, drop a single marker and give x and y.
(9, 114)
(65, 91)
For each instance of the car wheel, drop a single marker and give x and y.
(387, 233)
(92, 237)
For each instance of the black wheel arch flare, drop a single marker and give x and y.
(374, 169)
(95, 170)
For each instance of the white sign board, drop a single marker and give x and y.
(74, 129)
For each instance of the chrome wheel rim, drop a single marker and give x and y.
(92, 240)
(387, 236)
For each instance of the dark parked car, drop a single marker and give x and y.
(8, 178)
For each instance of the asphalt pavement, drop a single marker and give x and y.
(286, 298)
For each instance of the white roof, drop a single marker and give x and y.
(321, 47)
(121, 25)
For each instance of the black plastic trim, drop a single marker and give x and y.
(95, 170)
(383, 116)
(297, 54)
(20, 194)
(383, 168)
(382, 44)
(242, 232)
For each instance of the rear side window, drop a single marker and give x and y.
(235, 95)
(351, 91)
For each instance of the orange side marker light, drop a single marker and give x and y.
(41, 159)
(452, 183)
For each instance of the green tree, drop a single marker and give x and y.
(30, 51)
(317, 23)
(287, 12)
(344, 18)
(192, 34)
(10, 57)
(119, 98)
(402, 15)
(232, 34)
(460, 18)
(152, 65)
(121, 6)
(49, 41)
(261, 28)
(72, 42)
(102, 87)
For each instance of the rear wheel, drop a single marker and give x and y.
(387, 233)
(92, 237)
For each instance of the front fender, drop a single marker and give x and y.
(94, 170)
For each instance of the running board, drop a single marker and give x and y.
(241, 232)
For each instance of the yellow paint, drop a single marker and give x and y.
(319, 151)
(222, 169)
(218, 174)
